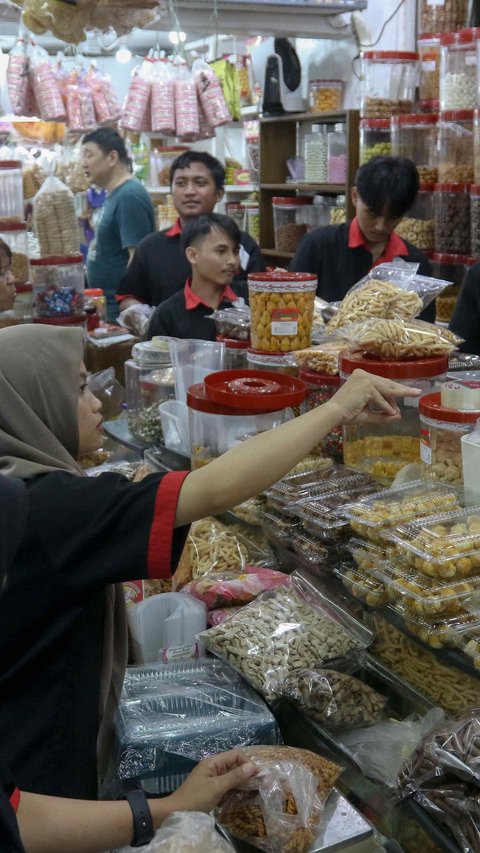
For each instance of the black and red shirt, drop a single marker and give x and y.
(185, 314)
(10, 841)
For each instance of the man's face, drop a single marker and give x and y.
(215, 257)
(375, 228)
(194, 191)
(97, 165)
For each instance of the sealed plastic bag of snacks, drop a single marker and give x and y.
(321, 359)
(221, 589)
(69, 170)
(187, 119)
(283, 631)
(214, 617)
(136, 107)
(388, 291)
(336, 699)
(227, 73)
(210, 94)
(280, 809)
(232, 322)
(45, 86)
(55, 219)
(186, 832)
(17, 77)
(107, 108)
(400, 339)
(79, 101)
(163, 99)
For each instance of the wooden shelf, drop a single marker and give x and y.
(335, 189)
(315, 118)
(229, 188)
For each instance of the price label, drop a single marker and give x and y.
(285, 321)
(425, 453)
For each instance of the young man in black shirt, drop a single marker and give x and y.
(159, 268)
(211, 244)
(340, 255)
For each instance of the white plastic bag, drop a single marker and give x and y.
(185, 832)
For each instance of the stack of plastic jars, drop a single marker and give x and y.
(429, 72)
(388, 82)
(415, 136)
(418, 225)
(443, 16)
(288, 222)
(375, 138)
(455, 146)
(458, 70)
(452, 218)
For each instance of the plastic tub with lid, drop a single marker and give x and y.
(320, 389)
(235, 353)
(415, 137)
(277, 362)
(418, 224)
(375, 138)
(429, 71)
(325, 95)
(15, 236)
(455, 146)
(443, 16)
(458, 69)
(149, 381)
(452, 218)
(388, 82)
(383, 449)
(288, 223)
(11, 190)
(233, 405)
(441, 429)
(281, 307)
(58, 283)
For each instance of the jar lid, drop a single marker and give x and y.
(387, 55)
(291, 200)
(148, 354)
(466, 36)
(281, 275)
(415, 118)
(254, 389)
(430, 106)
(8, 225)
(423, 188)
(418, 368)
(232, 343)
(56, 260)
(94, 291)
(10, 164)
(375, 123)
(456, 115)
(431, 406)
(270, 359)
(72, 320)
(314, 377)
(446, 258)
(452, 187)
(197, 399)
(281, 282)
(429, 36)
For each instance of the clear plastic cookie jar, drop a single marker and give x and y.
(388, 82)
(375, 138)
(415, 137)
(441, 430)
(458, 69)
(58, 283)
(149, 381)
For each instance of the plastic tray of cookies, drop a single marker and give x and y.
(306, 547)
(425, 596)
(277, 525)
(446, 545)
(435, 632)
(363, 587)
(283, 498)
(318, 513)
(372, 514)
(367, 555)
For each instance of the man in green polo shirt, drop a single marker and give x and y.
(127, 215)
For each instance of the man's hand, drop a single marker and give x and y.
(368, 398)
(136, 318)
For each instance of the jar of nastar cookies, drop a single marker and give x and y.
(281, 306)
(441, 430)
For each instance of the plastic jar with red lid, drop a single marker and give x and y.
(415, 136)
(383, 449)
(235, 353)
(281, 307)
(452, 218)
(388, 82)
(452, 268)
(375, 138)
(418, 224)
(455, 146)
(429, 71)
(320, 389)
(458, 69)
(441, 430)
(58, 282)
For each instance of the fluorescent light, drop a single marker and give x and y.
(176, 37)
(123, 54)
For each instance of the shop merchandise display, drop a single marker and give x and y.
(419, 225)
(429, 70)
(444, 16)
(400, 339)
(281, 306)
(58, 284)
(388, 83)
(375, 138)
(70, 22)
(442, 428)
(458, 75)
(55, 219)
(325, 95)
(337, 699)
(375, 297)
(226, 589)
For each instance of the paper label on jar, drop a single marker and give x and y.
(471, 59)
(435, 2)
(411, 402)
(429, 65)
(425, 453)
(173, 653)
(133, 591)
(285, 321)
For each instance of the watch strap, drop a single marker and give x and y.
(143, 831)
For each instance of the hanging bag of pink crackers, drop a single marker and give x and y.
(45, 86)
(17, 77)
(136, 109)
(163, 98)
(210, 94)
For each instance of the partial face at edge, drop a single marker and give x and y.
(89, 417)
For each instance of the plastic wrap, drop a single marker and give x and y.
(185, 832)
(165, 728)
(79, 101)
(45, 86)
(107, 108)
(336, 699)
(400, 339)
(223, 589)
(232, 322)
(322, 358)
(210, 94)
(163, 99)
(187, 119)
(55, 220)
(280, 810)
(17, 77)
(227, 73)
(137, 102)
(284, 631)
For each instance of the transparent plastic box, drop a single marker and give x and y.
(465, 635)
(437, 633)
(367, 555)
(320, 513)
(276, 525)
(286, 493)
(372, 516)
(425, 596)
(306, 547)
(363, 587)
(446, 545)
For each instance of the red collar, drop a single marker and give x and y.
(393, 248)
(175, 230)
(192, 300)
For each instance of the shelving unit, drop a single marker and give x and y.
(281, 137)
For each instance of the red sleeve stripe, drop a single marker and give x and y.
(15, 800)
(159, 554)
(119, 297)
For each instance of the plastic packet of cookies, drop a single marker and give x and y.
(336, 699)
(322, 358)
(400, 339)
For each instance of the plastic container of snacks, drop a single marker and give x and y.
(415, 137)
(149, 381)
(433, 631)
(325, 95)
(441, 430)
(281, 306)
(375, 138)
(316, 156)
(455, 147)
(96, 296)
(429, 71)
(382, 450)
(320, 514)
(286, 496)
(233, 405)
(476, 146)
(306, 548)
(444, 546)
(337, 155)
(11, 190)
(423, 595)
(58, 284)
(363, 587)
(452, 218)
(15, 236)
(458, 69)
(370, 516)
(236, 211)
(276, 362)
(235, 353)
(288, 224)
(443, 15)
(418, 224)
(452, 268)
(320, 389)
(475, 219)
(388, 82)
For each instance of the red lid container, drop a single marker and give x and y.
(430, 405)
(419, 368)
(253, 390)
(313, 377)
(72, 320)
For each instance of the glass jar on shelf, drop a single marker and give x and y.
(455, 146)
(375, 138)
(337, 155)
(415, 137)
(443, 16)
(325, 95)
(316, 155)
(418, 224)
(429, 71)
(388, 82)
(458, 70)
(452, 218)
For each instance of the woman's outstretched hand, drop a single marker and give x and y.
(368, 398)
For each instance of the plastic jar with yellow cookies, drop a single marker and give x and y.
(281, 305)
